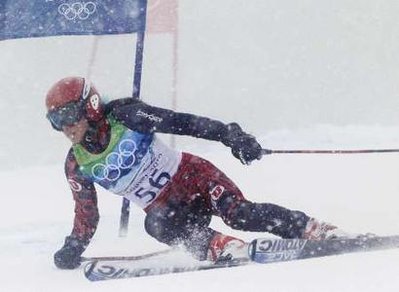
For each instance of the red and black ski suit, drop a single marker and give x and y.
(182, 212)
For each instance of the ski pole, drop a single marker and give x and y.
(336, 151)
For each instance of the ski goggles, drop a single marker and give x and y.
(67, 115)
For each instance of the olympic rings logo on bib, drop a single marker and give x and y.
(80, 10)
(115, 162)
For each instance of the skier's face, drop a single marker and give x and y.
(77, 131)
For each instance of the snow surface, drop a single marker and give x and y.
(297, 74)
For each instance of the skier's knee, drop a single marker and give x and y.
(172, 226)
(156, 227)
(238, 215)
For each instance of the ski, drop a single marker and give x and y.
(279, 250)
(127, 258)
(110, 270)
(262, 250)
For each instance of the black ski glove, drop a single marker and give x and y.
(68, 257)
(243, 146)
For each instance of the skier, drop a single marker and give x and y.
(115, 145)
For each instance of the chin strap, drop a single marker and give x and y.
(97, 136)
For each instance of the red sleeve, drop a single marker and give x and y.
(85, 196)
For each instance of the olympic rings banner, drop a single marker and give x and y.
(42, 18)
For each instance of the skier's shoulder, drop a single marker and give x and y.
(73, 171)
(135, 113)
(122, 103)
(71, 164)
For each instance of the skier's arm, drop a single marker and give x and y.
(86, 217)
(142, 117)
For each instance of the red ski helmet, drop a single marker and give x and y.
(70, 99)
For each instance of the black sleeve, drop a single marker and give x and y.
(142, 117)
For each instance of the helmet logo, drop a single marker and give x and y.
(95, 101)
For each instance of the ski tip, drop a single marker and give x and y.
(88, 271)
